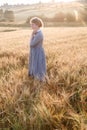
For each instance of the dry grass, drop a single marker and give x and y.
(58, 104)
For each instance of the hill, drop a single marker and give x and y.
(49, 10)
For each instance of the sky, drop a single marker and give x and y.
(11, 2)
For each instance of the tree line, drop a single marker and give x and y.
(7, 15)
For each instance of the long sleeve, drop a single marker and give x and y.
(36, 40)
(37, 61)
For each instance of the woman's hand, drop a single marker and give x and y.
(33, 34)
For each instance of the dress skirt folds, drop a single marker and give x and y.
(37, 59)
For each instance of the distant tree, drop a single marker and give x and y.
(5, 5)
(70, 17)
(9, 15)
(83, 15)
(1, 13)
(59, 17)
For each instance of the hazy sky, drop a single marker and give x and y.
(27, 1)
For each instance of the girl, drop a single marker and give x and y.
(37, 59)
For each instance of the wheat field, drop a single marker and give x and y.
(58, 104)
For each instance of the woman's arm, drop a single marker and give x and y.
(36, 39)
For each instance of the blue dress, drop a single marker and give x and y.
(37, 59)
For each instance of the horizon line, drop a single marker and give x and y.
(31, 3)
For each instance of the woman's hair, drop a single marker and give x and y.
(36, 21)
